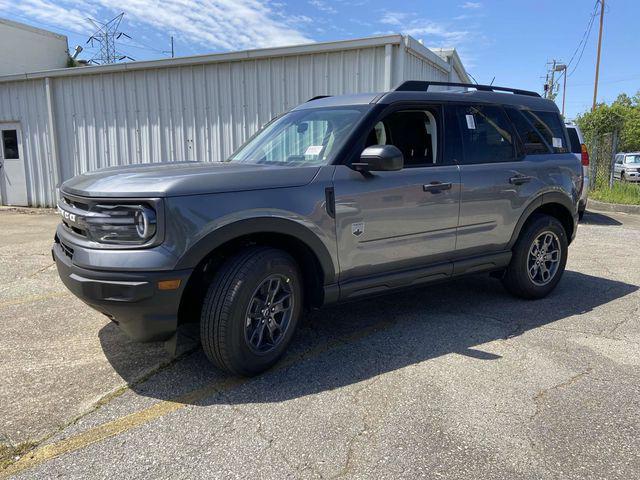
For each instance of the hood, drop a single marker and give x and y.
(185, 178)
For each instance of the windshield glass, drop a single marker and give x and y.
(632, 159)
(301, 138)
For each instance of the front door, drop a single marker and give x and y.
(13, 183)
(390, 221)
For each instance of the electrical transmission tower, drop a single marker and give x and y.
(105, 37)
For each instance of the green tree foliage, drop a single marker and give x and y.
(622, 115)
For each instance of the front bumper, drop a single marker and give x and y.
(132, 300)
(632, 176)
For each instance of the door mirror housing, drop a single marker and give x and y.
(380, 158)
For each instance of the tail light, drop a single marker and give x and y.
(585, 155)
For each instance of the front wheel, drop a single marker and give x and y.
(251, 310)
(539, 258)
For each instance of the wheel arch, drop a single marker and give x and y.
(206, 256)
(555, 204)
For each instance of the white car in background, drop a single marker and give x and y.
(627, 167)
(579, 149)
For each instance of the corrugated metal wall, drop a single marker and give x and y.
(199, 112)
(419, 68)
(175, 113)
(25, 103)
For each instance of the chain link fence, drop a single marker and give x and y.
(602, 151)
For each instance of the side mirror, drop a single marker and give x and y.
(380, 158)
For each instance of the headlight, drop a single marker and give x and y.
(121, 224)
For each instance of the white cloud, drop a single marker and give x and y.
(417, 27)
(217, 24)
(471, 5)
(323, 6)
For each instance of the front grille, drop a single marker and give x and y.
(78, 205)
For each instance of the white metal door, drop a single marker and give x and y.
(13, 182)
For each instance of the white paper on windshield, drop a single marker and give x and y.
(313, 150)
(557, 142)
(471, 122)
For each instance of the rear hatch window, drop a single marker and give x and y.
(574, 141)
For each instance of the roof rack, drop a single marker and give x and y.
(417, 86)
(318, 97)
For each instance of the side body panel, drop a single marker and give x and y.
(386, 221)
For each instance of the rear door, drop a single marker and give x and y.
(498, 180)
(389, 221)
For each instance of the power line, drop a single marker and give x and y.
(584, 40)
(585, 35)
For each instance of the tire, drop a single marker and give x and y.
(581, 213)
(236, 296)
(623, 178)
(517, 279)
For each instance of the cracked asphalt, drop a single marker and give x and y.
(456, 380)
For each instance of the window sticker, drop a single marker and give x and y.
(313, 150)
(557, 142)
(471, 122)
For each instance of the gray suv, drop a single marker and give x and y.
(340, 198)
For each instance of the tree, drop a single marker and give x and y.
(623, 115)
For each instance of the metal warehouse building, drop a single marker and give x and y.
(60, 123)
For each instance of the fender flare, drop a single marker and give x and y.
(543, 199)
(240, 228)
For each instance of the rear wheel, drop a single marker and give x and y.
(251, 310)
(539, 258)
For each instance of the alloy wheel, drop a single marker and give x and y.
(269, 314)
(544, 258)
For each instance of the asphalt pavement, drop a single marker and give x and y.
(455, 380)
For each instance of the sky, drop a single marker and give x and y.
(505, 42)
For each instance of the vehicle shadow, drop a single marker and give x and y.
(596, 218)
(350, 343)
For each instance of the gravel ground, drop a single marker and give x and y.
(456, 380)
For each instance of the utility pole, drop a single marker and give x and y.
(561, 67)
(595, 87)
(172, 51)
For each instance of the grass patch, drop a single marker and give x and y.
(621, 192)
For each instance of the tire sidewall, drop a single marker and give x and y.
(241, 355)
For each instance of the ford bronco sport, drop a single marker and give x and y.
(339, 198)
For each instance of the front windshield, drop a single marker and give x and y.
(632, 159)
(301, 137)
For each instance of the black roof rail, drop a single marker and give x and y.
(318, 97)
(418, 86)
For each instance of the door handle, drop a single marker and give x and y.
(520, 179)
(436, 187)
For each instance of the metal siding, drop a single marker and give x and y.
(419, 68)
(192, 112)
(25, 102)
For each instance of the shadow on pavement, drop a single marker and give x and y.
(357, 341)
(594, 218)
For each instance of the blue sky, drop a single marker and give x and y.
(509, 40)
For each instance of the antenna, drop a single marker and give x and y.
(105, 37)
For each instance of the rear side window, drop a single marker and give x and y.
(550, 127)
(574, 140)
(486, 134)
(531, 139)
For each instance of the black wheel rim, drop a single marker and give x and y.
(269, 314)
(544, 258)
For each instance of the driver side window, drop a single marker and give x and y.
(414, 132)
